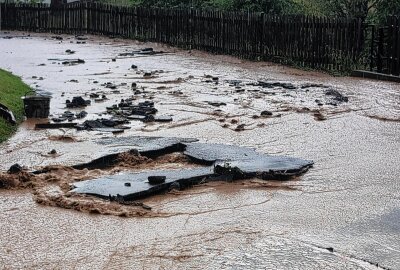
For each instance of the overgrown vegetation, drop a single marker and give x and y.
(11, 91)
(374, 11)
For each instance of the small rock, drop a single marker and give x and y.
(16, 168)
(217, 104)
(149, 118)
(175, 186)
(266, 113)
(81, 115)
(319, 116)
(240, 127)
(146, 207)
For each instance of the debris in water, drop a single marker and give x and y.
(69, 51)
(55, 125)
(146, 51)
(73, 62)
(216, 104)
(266, 113)
(265, 84)
(36, 106)
(16, 168)
(105, 125)
(337, 96)
(77, 102)
(7, 115)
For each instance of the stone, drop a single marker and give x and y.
(81, 115)
(266, 113)
(77, 102)
(73, 62)
(240, 127)
(16, 168)
(337, 96)
(69, 51)
(216, 104)
(266, 84)
(175, 186)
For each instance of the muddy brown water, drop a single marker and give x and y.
(349, 201)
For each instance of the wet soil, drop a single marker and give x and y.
(343, 214)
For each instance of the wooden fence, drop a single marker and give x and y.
(321, 43)
(385, 47)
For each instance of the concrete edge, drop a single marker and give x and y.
(375, 76)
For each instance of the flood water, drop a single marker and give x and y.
(349, 201)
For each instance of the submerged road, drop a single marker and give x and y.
(343, 214)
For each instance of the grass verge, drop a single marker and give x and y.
(11, 91)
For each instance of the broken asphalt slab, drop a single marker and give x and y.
(246, 161)
(116, 186)
(224, 162)
(146, 146)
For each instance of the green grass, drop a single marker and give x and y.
(11, 91)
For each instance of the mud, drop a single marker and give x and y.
(348, 202)
(56, 198)
(63, 138)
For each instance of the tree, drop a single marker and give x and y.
(372, 10)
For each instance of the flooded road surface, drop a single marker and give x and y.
(343, 214)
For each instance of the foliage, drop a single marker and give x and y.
(374, 11)
(11, 91)
(267, 6)
(366, 10)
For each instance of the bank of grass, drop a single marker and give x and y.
(11, 91)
